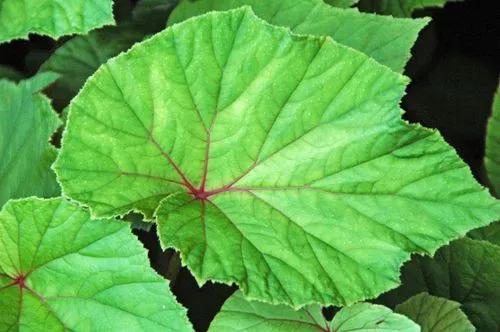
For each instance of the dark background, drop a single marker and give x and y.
(454, 74)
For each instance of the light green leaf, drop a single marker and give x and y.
(466, 271)
(240, 314)
(63, 271)
(385, 39)
(492, 158)
(293, 173)
(400, 8)
(27, 122)
(435, 314)
(342, 3)
(367, 317)
(53, 18)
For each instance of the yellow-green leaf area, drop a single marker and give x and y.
(274, 161)
(53, 18)
(62, 271)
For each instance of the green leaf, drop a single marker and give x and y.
(79, 58)
(10, 73)
(153, 12)
(490, 233)
(27, 122)
(63, 271)
(400, 8)
(435, 314)
(239, 314)
(279, 160)
(466, 271)
(492, 158)
(342, 3)
(367, 317)
(385, 39)
(53, 18)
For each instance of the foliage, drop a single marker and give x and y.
(240, 314)
(385, 39)
(492, 158)
(27, 122)
(435, 314)
(216, 184)
(262, 140)
(61, 271)
(466, 272)
(400, 8)
(54, 18)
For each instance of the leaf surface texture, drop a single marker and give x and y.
(274, 161)
(62, 271)
(53, 18)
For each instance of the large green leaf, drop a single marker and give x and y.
(400, 8)
(53, 18)
(466, 272)
(26, 123)
(61, 271)
(280, 161)
(435, 314)
(492, 158)
(239, 314)
(385, 39)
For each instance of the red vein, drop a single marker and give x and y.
(184, 179)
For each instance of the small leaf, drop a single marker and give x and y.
(492, 158)
(400, 8)
(27, 122)
(385, 39)
(466, 271)
(274, 161)
(62, 271)
(240, 314)
(53, 18)
(367, 317)
(435, 314)
(342, 3)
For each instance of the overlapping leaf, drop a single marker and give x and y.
(400, 8)
(466, 272)
(342, 3)
(492, 159)
(61, 271)
(26, 123)
(385, 39)
(435, 314)
(280, 161)
(239, 314)
(9, 73)
(79, 58)
(54, 18)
